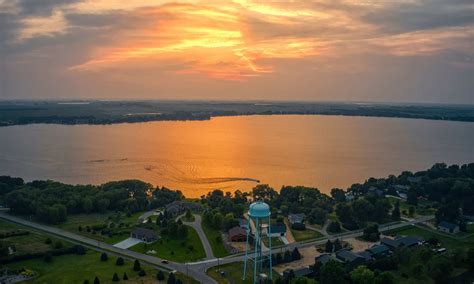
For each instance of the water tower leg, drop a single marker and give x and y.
(257, 248)
(246, 250)
(270, 248)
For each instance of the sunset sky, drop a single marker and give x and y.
(325, 50)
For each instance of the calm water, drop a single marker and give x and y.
(195, 157)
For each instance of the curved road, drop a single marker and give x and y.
(197, 225)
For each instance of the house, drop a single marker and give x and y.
(296, 219)
(390, 243)
(398, 242)
(323, 258)
(178, 207)
(366, 255)
(448, 227)
(298, 272)
(351, 259)
(276, 230)
(146, 235)
(237, 234)
(379, 251)
(408, 241)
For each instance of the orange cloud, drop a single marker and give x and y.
(214, 41)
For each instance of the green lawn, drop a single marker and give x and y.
(423, 207)
(275, 241)
(33, 242)
(233, 273)
(174, 249)
(69, 269)
(120, 232)
(447, 241)
(215, 239)
(305, 235)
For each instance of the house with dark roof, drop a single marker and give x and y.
(400, 241)
(352, 260)
(323, 258)
(366, 255)
(276, 230)
(299, 272)
(237, 234)
(408, 241)
(390, 243)
(379, 251)
(178, 207)
(448, 227)
(144, 234)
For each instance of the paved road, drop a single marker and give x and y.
(204, 265)
(192, 271)
(195, 269)
(197, 225)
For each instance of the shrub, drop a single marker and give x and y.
(58, 244)
(96, 280)
(119, 261)
(104, 257)
(48, 241)
(80, 250)
(334, 227)
(136, 265)
(115, 278)
(125, 276)
(142, 273)
(160, 276)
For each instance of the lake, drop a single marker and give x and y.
(231, 153)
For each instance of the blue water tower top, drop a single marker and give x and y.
(259, 209)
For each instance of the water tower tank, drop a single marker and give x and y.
(259, 209)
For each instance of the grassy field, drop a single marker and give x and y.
(422, 209)
(275, 241)
(215, 240)
(31, 243)
(447, 241)
(119, 233)
(174, 249)
(232, 273)
(305, 235)
(77, 268)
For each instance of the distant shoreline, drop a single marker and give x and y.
(104, 113)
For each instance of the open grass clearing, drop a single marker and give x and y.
(214, 237)
(175, 249)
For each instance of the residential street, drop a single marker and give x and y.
(198, 269)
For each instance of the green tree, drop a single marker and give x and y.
(160, 276)
(171, 278)
(136, 265)
(396, 211)
(119, 261)
(115, 278)
(371, 233)
(295, 254)
(329, 246)
(96, 280)
(332, 272)
(440, 268)
(125, 276)
(337, 245)
(362, 275)
(385, 278)
(334, 227)
(104, 257)
(338, 194)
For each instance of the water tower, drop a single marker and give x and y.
(259, 215)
